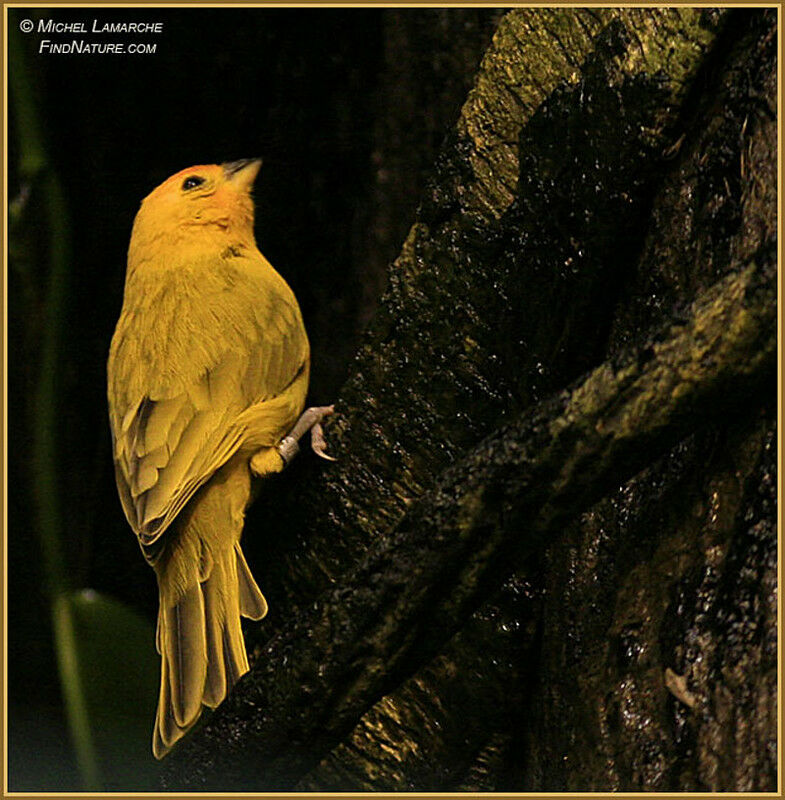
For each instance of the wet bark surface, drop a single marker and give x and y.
(546, 557)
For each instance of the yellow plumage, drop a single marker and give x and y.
(208, 371)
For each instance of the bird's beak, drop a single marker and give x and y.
(242, 173)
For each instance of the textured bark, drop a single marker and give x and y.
(513, 493)
(635, 587)
(435, 373)
(570, 164)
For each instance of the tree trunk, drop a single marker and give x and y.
(546, 556)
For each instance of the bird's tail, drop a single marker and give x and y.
(202, 595)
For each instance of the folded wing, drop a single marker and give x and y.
(173, 429)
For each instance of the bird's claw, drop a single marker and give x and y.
(310, 419)
(317, 442)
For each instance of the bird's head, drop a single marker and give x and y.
(198, 206)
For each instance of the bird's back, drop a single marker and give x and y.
(196, 349)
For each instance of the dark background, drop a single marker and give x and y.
(346, 107)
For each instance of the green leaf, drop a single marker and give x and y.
(118, 667)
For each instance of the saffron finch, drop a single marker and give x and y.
(207, 374)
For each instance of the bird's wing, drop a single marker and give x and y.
(171, 435)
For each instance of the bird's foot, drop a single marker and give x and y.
(310, 420)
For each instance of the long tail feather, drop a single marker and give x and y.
(215, 688)
(200, 637)
(252, 602)
(185, 648)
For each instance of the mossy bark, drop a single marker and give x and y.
(591, 160)
(648, 580)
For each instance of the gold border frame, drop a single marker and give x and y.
(186, 4)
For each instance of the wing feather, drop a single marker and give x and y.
(172, 429)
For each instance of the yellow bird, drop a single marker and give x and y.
(207, 376)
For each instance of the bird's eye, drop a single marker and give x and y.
(191, 182)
